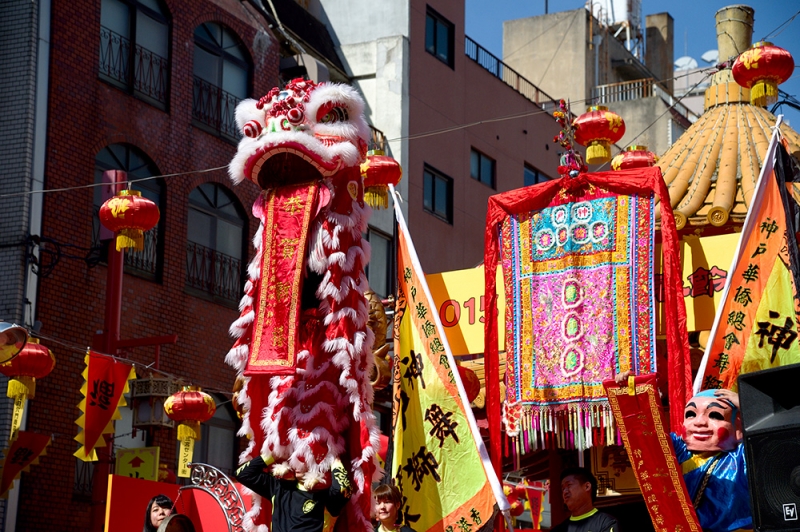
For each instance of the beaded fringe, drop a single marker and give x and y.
(572, 427)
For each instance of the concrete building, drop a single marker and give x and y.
(575, 46)
(437, 96)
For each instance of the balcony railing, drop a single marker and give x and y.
(215, 109)
(635, 90)
(150, 71)
(214, 273)
(511, 77)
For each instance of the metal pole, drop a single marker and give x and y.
(108, 345)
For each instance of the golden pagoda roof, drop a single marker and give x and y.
(712, 169)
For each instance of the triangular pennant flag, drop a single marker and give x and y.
(104, 389)
(23, 453)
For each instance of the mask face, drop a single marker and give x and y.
(708, 426)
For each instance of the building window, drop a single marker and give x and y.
(438, 194)
(148, 262)
(534, 176)
(221, 79)
(134, 48)
(379, 269)
(481, 167)
(216, 244)
(439, 38)
(217, 445)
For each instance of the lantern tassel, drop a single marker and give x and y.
(189, 429)
(21, 386)
(16, 415)
(130, 238)
(764, 92)
(377, 196)
(598, 152)
(185, 457)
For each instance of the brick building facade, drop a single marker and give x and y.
(116, 101)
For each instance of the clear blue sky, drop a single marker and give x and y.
(694, 27)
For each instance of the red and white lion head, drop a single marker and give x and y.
(315, 136)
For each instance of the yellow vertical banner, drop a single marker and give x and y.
(439, 462)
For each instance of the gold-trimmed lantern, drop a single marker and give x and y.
(129, 215)
(761, 69)
(379, 171)
(597, 129)
(189, 407)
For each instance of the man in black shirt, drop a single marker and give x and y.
(579, 489)
(295, 509)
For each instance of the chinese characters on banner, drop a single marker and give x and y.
(443, 472)
(24, 452)
(103, 392)
(637, 411)
(756, 326)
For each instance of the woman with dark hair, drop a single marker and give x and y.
(158, 509)
(388, 501)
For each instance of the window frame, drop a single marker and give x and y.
(216, 214)
(540, 177)
(390, 259)
(129, 85)
(492, 181)
(226, 130)
(438, 20)
(436, 174)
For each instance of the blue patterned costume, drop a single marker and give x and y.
(725, 502)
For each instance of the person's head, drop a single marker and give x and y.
(158, 509)
(388, 500)
(711, 424)
(579, 489)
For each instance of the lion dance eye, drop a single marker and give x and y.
(336, 114)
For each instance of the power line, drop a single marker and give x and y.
(784, 23)
(82, 350)
(92, 185)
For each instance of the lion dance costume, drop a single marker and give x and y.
(303, 350)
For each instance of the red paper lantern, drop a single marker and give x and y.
(379, 171)
(597, 129)
(634, 157)
(35, 361)
(471, 382)
(761, 69)
(129, 215)
(189, 407)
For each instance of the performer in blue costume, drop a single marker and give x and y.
(711, 456)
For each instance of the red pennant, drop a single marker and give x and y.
(106, 383)
(24, 452)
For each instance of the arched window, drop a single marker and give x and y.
(137, 164)
(215, 249)
(221, 78)
(134, 48)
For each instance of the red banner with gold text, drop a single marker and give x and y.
(103, 394)
(637, 411)
(286, 213)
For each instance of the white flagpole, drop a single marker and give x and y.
(497, 488)
(747, 229)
